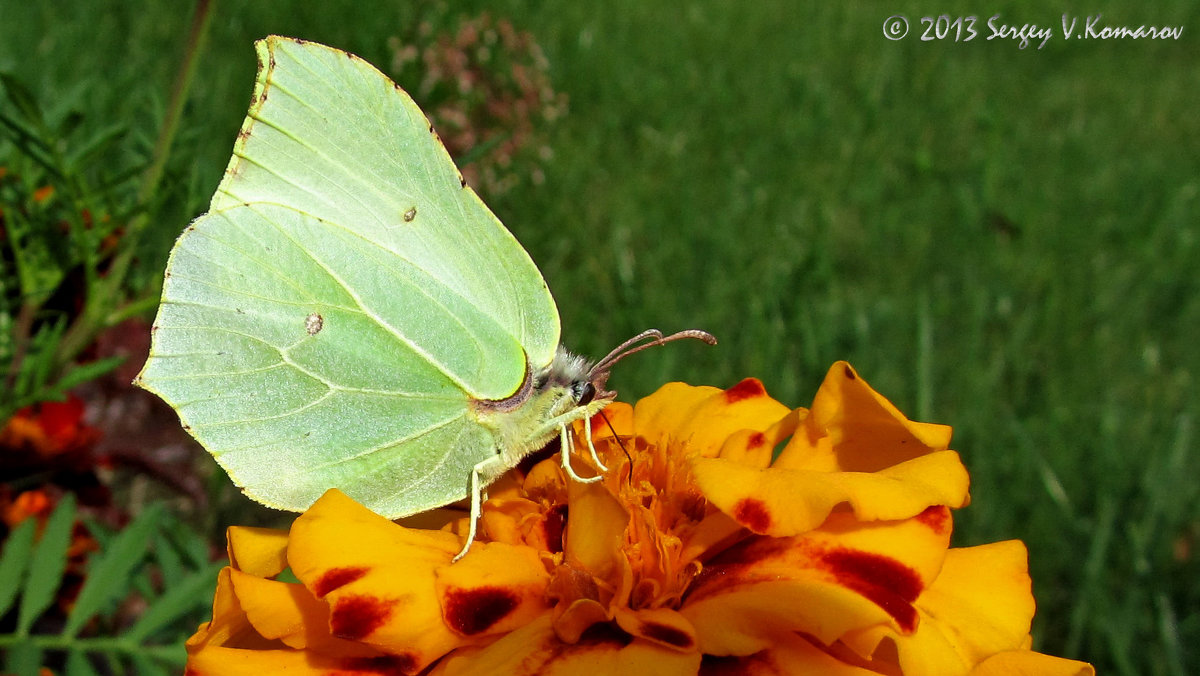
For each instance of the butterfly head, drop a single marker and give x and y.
(586, 382)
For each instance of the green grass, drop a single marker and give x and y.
(1003, 240)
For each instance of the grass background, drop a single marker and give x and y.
(999, 239)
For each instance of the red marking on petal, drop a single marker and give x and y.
(355, 617)
(384, 665)
(604, 633)
(666, 634)
(884, 581)
(756, 440)
(937, 518)
(337, 577)
(747, 389)
(736, 566)
(471, 611)
(850, 374)
(753, 514)
(552, 527)
(759, 663)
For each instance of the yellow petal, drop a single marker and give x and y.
(496, 588)
(983, 599)
(704, 417)
(865, 431)
(783, 502)
(1024, 663)
(377, 577)
(842, 577)
(535, 649)
(791, 654)
(258, 551)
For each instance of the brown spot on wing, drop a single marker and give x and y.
(472, 611)
(314, 323)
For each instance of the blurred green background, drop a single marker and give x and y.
(999, 239)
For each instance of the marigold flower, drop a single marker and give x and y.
(48, 429)
(729, 535)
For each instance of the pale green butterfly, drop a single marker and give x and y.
(349, 314)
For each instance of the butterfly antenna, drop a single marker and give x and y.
(648, 338)
(620, 443)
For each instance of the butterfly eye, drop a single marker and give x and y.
(584, 392)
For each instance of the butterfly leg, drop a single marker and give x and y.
(587, 435)
(477, 498)
(565, 438)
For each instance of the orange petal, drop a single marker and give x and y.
(229, 625)
(377, 577)
(756, 449)
(842, 577)
(535, 649)
(980, 604)
(663, 626)
(279, 610)
(258, 551)
(790, 653)
(1025, 663)
(616, 416)
(570, 620)
(595, 528)
(217, 661)
(714, 533)
(862, 431)
(783, 502)
(288, 612)
(518, 521)
(496, 588)
(704, 417)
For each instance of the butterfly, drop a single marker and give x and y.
(349, 314)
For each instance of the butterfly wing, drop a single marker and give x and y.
(329, 321)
